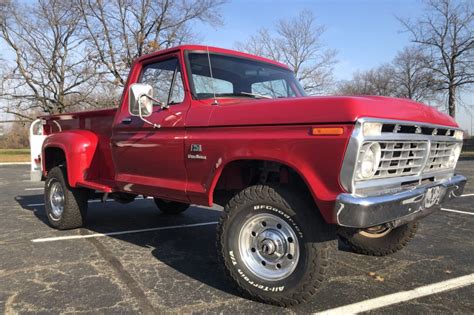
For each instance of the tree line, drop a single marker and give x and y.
(75, 54)
(438, 63)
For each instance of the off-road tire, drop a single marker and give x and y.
(316, 240)
(75, 202)
(392, 242)
(171, 207)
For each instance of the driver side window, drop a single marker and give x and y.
(165, 78)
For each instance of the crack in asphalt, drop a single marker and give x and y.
(9, 304)
(123, 275)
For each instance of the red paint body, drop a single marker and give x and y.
(106, 155)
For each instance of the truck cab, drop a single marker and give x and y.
(204, 125)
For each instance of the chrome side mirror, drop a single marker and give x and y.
(140, 99)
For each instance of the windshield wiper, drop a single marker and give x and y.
(255, 95)
(246, 94)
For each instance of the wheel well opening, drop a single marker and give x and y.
(54, 157)
(241, 174)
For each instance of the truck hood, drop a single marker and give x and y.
(317, 110)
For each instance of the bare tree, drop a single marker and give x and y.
(446, 33)
(297, 43)
(49, 67)
(378, 81)
(412, 77)
(16, 136)
(407, 76)
(120, 31)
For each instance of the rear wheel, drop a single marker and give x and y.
(379, 240)
(66, 207)
(171, 207)
(274, 244)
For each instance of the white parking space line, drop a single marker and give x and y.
(90, 201)
(403, 296)
(37, 188)
(467, 195)
(73, 237)
(35, 205)
(14, 163)
(42, 204)
(457, 211)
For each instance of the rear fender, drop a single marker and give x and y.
(79, 148)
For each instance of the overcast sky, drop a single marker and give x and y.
(365, 33)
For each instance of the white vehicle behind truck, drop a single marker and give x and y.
(36, 142)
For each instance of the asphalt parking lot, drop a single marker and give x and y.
(156, 263)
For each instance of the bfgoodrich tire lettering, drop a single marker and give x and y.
(315, 240)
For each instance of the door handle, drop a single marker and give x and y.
(127, 121)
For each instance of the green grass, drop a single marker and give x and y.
(467, 154)
(14, 155)
(14, 151)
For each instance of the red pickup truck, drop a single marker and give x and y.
(203, 125)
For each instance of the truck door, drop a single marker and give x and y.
(150, 160)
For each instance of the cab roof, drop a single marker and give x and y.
(212, 49)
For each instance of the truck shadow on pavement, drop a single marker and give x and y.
(33, 203)
(190, 252)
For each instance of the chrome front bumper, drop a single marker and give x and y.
(396, 209)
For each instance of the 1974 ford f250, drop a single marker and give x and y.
(202, 125)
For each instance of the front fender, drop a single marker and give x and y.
(317, 159)
(79, 148)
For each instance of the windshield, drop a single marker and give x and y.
(240, 77)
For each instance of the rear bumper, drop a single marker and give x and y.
(396, 209)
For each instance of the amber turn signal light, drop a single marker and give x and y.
(327, 131)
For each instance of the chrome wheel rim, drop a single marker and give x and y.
(56, 200)
(375, 232)
(268, 247)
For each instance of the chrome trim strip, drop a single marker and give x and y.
(407, 123)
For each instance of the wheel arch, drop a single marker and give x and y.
(75, 149)
(287, 172)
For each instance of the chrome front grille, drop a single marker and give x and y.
(439, 156)
(412, 153)
(401, 158)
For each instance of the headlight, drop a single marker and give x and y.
(454, 156)
(369, 160)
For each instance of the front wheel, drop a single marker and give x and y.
(379, 240)
(274, 244)
(66, 207)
